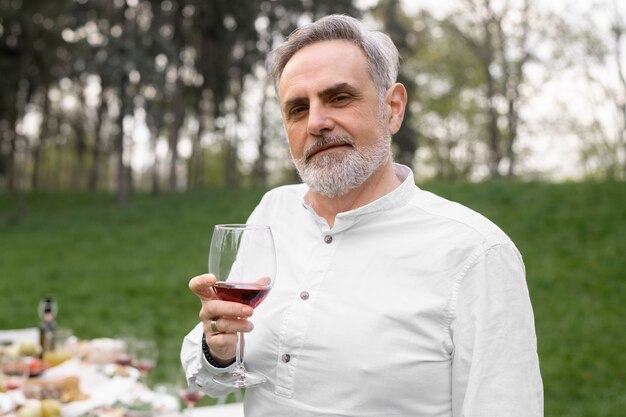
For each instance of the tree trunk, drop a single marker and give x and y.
(231, 172)
(155, 120)
(259, 172)
(10, 161)
(618, 32)
(493, 132)
(81, 148)
(231, 160)
(43, 138)
(179, 115)
(155, 187)
(195, 166)
(94, 174)
(484, 50)
(122, 177)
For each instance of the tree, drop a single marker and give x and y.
(185, 63)
(618, 30)
(399, 27)
(32, 54)
(498, 35)
(447, 103)
(590, 53)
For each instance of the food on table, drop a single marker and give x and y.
(43, 408)
(65, 390)
(29, 348)
(101, 351)
(36, 367)
(56, 357)
(50, 408)
(119, 370)
(30, 409)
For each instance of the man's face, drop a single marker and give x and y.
(333, 117)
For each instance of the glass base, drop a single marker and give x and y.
(240, 379)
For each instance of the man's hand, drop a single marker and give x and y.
(228, 318)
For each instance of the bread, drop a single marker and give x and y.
(65, 389)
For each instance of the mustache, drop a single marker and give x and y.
(325, 142)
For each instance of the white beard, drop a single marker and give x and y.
(338, 172)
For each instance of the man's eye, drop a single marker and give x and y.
(341, 98)
(297, 110)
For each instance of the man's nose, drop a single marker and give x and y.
(319, 120)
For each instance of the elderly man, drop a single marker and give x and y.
(390, 301)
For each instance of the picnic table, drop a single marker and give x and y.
(88, 384)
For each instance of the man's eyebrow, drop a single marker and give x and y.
(338, 88)
(324, 94)
(296, 101)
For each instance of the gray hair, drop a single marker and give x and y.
(380, 52)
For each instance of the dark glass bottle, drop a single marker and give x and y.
(47, 324)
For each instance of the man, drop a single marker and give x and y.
(389, 301)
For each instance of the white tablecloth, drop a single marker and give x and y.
(18, 336)
(224, 410)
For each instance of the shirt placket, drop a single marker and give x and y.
(298, 316)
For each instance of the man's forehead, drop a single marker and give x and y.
(321, 66)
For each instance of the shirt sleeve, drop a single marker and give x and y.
(198, 371)
(495, 368)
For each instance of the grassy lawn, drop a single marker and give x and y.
(118, 271)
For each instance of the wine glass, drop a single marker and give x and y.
(145, 354)
(124, 356)
(190, 395)
(14, 371)
(243, 259)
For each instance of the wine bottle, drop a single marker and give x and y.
(47, 324)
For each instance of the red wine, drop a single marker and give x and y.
(123, 360)
(190, 397)
(11, 384)
(239, 292)
(144, 366)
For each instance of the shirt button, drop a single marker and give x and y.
(304, 295)
(286, 357)
(328, 239)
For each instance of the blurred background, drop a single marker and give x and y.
(173, 95)
(129, 127)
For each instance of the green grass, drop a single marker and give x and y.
(125, 270)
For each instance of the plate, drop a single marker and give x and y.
(6, 404)
(113, 370)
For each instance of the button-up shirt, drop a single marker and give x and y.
(411, 305)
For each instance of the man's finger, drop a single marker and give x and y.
(229, 309)
(202, 286)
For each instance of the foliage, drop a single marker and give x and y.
(89, 68)
(598, 51)
(399, 28)
(138, 91)
(118, 271)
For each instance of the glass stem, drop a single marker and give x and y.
(239, 354)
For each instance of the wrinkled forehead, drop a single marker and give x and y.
(324, 63)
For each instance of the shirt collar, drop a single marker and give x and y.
(397, 197)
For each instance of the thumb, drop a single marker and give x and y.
(202, 286)
(263, 281)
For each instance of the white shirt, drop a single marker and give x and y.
(417, 307)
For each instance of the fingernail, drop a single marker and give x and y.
(247, 311)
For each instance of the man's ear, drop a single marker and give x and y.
(395, 99)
